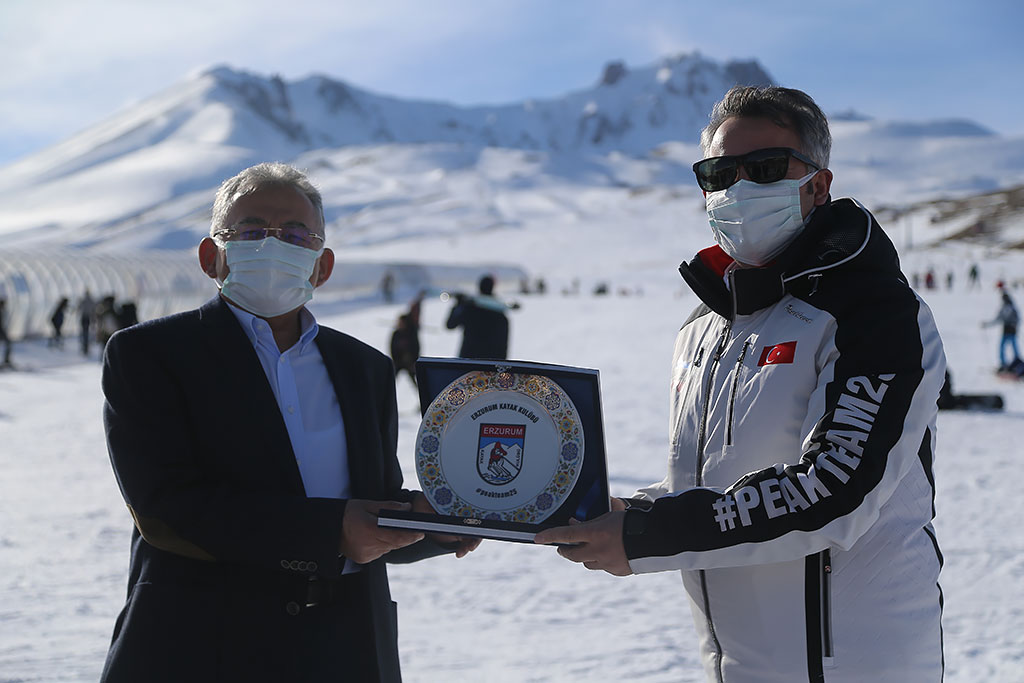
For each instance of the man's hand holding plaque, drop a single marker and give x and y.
(462, 545)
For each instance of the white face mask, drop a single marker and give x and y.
(753, 222)
(268, 277)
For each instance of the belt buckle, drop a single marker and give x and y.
(314, 590)
(321, 591)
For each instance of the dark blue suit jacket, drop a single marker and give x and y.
(225, 538)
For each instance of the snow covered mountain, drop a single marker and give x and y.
(195, 133)
(392, 168)
(628, 111)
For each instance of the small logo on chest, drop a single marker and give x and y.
(797, 314)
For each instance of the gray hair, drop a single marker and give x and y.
(256, 177)
(785, 107)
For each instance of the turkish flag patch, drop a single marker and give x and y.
(780, 353)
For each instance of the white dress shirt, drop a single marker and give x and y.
(308, 404)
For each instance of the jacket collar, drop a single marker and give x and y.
(355, 400)
(239, 364)
(240, 372)
(837, 234)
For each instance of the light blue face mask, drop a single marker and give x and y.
(755, 222)
(268, 277)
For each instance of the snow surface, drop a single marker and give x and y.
(510, 612)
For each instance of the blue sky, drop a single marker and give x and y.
(68, 64)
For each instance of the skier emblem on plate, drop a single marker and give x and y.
(500, 454)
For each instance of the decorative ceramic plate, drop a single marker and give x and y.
(499, 446)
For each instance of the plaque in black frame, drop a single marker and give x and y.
(506, 448)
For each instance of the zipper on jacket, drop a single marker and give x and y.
(705, 407)
(826, 607)
(701, 438)
(731, 413)
(719, 677)
(702, 434)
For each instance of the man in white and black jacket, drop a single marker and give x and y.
(799, 494)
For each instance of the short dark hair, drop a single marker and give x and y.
(786, 107)
(486, 284)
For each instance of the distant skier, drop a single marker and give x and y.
(483, 321)
(106, 320)
(972, 276)
(3, 335)
(405, 341)
(127, 315)
(387, 287)
(57, 321)
(86, 311)
(1009, 318)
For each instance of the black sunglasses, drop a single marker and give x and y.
(762, 165)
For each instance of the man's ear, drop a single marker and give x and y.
(820, 186)
(325, 268)
(208, 257)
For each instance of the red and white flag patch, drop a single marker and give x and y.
(780, 353)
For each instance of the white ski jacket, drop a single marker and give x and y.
(799, 494)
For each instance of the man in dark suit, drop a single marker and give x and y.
(253, 449)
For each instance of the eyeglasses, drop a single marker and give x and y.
(247, 231)
(767, 165)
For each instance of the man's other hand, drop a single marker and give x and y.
(462, 545)
(362, 540)
(596, 544)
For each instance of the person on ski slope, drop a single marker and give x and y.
(1009, 318)
(799, 493)
(254, 449)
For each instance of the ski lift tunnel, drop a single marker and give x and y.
(34, 280)
(160, 283)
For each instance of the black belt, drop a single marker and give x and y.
(321, 591)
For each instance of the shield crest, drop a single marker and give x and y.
(500, 455)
